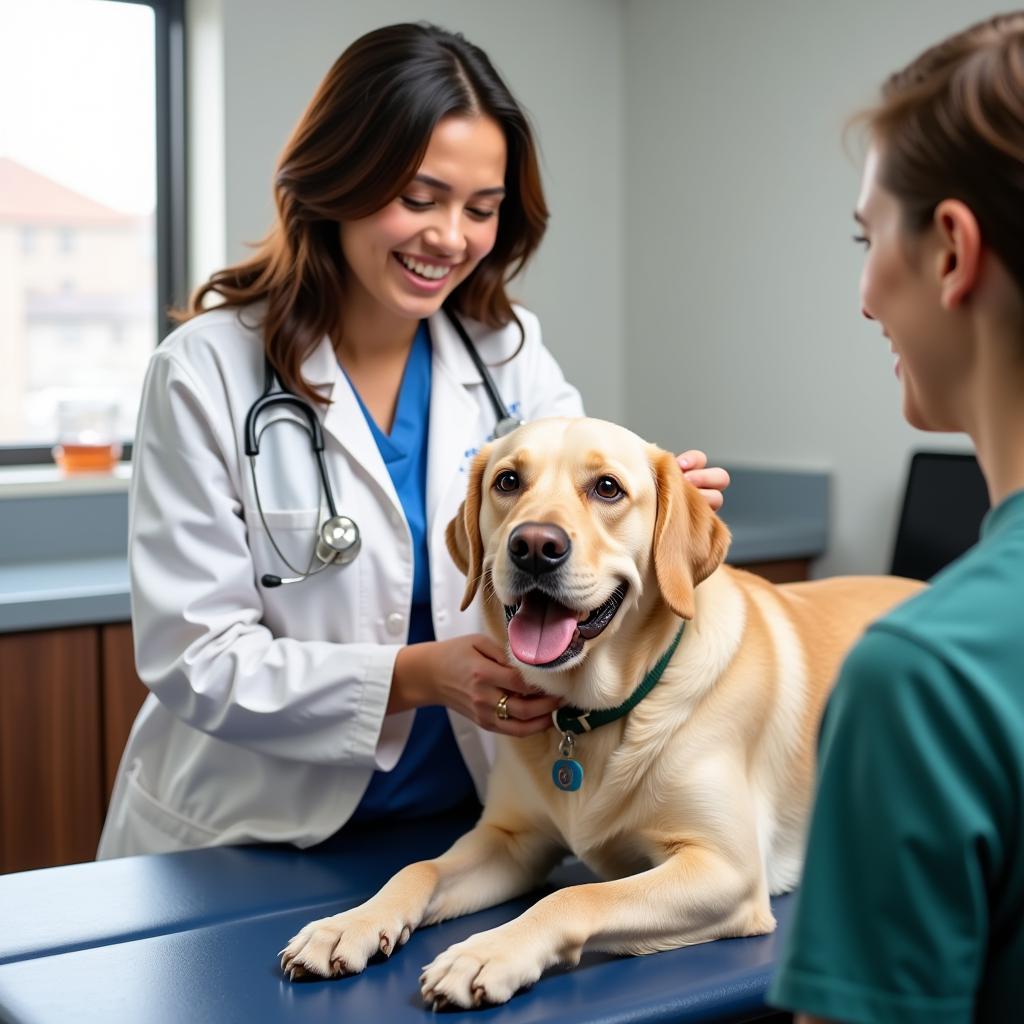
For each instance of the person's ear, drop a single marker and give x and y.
(960, 251)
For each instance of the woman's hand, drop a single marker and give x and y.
(710, 482)
(469, 674)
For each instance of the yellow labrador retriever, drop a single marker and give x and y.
(681, 767)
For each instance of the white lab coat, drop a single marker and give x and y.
(267, 712)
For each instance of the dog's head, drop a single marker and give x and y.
(572, 525)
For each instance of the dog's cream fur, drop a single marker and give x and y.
(694, 804)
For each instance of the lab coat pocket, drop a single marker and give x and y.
(293, 531)
(152, 826)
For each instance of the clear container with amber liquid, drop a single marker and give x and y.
(87, 436)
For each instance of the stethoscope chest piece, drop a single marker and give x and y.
(339, 540)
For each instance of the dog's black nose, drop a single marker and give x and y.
(538, 547)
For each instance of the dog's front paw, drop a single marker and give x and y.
(486, 968)
(333, 946)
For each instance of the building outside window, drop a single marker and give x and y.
(80, 309)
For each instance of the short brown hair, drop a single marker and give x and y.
(359, 142)
(951, 126)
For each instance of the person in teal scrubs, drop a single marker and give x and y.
(911, 907)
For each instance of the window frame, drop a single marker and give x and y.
(171, 189)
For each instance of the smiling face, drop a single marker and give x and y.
(900, 288)
(572, 525)
(569, 538)
(409, 256)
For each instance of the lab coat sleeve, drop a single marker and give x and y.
(548, 392)
(196, 607)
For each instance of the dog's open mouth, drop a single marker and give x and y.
(543, 632)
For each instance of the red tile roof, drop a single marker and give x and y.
(27, 197)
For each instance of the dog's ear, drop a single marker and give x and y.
(690, 541)
(463, 532)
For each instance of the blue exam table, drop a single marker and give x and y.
(191, 938)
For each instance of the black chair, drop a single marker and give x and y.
(943, 505)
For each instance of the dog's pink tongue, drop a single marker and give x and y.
(541, 630)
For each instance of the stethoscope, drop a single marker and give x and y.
(338, 539)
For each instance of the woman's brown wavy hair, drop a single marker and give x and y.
(358, 144)
(951, 126)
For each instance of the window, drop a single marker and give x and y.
(91, 189)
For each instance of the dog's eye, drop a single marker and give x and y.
(507, 481)
(608, 488)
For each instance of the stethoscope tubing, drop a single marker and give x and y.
(504, 421)
(269, 398)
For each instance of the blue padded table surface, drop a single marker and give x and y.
(57, 910)
(194, 938)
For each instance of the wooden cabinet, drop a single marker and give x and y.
(789, 570)
(67, 701)
(122, 696)
(51, 799)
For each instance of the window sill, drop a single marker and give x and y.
(49, 481)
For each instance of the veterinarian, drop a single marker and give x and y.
(300, 451)
(911, 907)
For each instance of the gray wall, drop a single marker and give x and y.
(698, 281)
(743, 322)
(259, 61)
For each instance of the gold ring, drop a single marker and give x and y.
(501, 709)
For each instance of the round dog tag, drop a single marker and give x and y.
(567, 774)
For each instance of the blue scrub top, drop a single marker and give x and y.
(430, 776)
